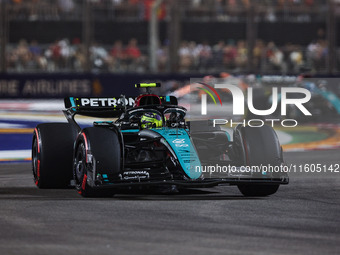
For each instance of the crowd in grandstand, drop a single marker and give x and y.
(267, 57)
(140, 9)
(71, 55)
(64, 55)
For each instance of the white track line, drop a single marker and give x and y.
(15, 154)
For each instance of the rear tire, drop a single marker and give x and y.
(52, 150)
(258, 146)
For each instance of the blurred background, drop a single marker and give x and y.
(53, 49)
(185, 36)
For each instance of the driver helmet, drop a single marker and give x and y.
(151, 120)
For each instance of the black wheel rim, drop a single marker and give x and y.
(35, 158)
(80, 164)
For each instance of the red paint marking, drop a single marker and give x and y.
(86, 146)
(84, 182)
(38, 173)
(38, 169)
(37, 135)
(15, 106)
(214, 90)
(14, 159)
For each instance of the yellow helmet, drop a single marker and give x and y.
(151, 120)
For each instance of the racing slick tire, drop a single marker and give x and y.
(52, 150)
(105, 149)
(258, 146)
(257, 190)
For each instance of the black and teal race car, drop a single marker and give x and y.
(148, 143)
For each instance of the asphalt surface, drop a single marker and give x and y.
(301, 218)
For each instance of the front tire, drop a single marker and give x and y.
(105, 149)
(258, 146)
(257, 190)
(81, 172)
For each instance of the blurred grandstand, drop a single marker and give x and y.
(262, 36)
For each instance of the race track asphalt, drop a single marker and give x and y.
(301, 218)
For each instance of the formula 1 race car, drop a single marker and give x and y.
(148, 143)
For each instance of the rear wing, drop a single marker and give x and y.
(106, 106)
(98, 103)
(108, 103)
(98, 106)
